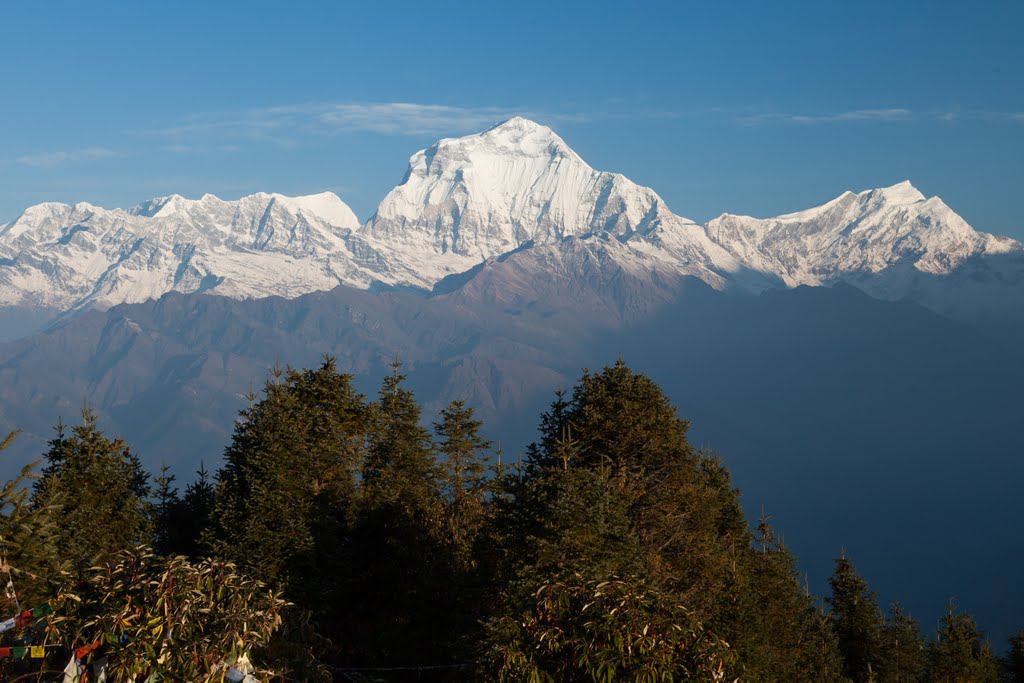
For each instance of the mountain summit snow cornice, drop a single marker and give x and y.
(465, 200)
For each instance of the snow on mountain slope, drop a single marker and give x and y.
(518, 182)
(470, 200)
(65, 257)
(856, 236)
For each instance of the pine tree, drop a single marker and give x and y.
(1013, 664)
(857, 622)
(777, 629)
(399, 556)
(196, 508)
(465, 478)
(902, 659)
(97, 493)
(179, 521)
(166, 513)
(960, 653)
(400, 464)
(682, 505)
(466, 491)
(289, 480)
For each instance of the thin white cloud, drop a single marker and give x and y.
(405, 118)
(854, 115)
(282, 124)
(51, 159)
(892, 115)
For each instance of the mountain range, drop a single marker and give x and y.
(857, 364)
(466, 200)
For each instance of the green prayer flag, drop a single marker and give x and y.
(19, 652)
(41, 610)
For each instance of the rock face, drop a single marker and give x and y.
(467, 201)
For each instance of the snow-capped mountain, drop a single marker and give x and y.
(465, 201)
(480, 196)
(856, 235)
(518, 182)
(65, 257)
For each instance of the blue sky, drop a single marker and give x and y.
(756, 108)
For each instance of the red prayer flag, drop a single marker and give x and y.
(86, 649)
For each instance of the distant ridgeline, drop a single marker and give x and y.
(467, 201)
(343, 540)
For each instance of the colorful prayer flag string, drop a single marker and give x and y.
(25, 618)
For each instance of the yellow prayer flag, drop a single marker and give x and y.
(37, 652)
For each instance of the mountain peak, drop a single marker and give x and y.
(482, 195)
(518, 124)
(517, 136)
(900, 193)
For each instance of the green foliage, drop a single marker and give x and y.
(165, 619)
(1013, 664)
(857, 622)
(95, 492)
(24, 528)
(902, 649)
(179, 521)
(618, 629)
(682, 507)
(401, 555)
(289, 479)
(400, 466)
(960, 653)
(577, 522)
(465, 483)
(776, 627)
(396, 604)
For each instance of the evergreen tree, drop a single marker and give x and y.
(554, 423)
(857, 622)
(196, 508)
(400, 463)
(166, 513)
(466, 490)
(960, 653)
(465, 481)
(289, 480)
(96, 492)
(579, 525)
(902, 659)
(682, 506)
(399, 556)
(777, 629)
(1013, 664)
(179, 521)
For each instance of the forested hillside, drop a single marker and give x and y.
(343, 540)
